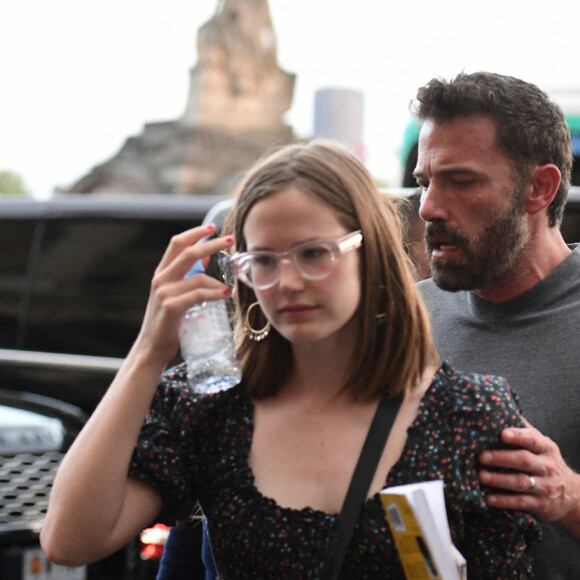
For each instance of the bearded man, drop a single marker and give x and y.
(494, 165)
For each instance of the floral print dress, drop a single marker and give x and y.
(195, 448)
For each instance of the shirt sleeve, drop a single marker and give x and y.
(164, 456)
(495, 542)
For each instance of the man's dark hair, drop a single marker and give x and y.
(531, 129)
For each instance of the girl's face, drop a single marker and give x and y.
(304, 311)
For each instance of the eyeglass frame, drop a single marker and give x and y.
(338, 247)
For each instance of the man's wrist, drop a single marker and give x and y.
(572, 518)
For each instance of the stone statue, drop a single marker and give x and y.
(237, 82)
(238, 95)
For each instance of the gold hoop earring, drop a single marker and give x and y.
(253, 334)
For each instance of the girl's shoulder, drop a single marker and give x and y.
(479, 396)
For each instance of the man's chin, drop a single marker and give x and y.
(454, 278)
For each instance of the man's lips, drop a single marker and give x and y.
(444, 242)
(443, 248)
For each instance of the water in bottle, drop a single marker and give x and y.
(207, 347)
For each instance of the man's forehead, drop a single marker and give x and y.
(459, 143)
(462, 124)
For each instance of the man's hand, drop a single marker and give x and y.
(543, 484)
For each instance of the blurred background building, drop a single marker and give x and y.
(238, 95)
(237, 98)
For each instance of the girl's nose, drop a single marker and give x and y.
(290, 277)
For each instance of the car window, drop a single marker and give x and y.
(91, 284)
(16, 239)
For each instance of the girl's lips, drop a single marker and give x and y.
(297, 309)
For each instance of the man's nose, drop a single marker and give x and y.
(434, 206)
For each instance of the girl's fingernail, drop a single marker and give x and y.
(210, 227)
(229, 239)
(227, 291)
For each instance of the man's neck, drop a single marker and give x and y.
(537, 260)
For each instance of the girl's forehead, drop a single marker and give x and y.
(289, 217)
(292, 203)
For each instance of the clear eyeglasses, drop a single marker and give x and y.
(314, 260)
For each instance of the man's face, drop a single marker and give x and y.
(476, 226)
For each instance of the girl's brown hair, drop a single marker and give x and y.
(393, 344)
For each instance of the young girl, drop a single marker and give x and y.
(328, 322)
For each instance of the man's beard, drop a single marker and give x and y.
(487, 258)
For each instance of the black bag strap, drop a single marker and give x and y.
(359, 486)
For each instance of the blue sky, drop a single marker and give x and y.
(78, 78)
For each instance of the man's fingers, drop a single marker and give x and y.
(515, 459)
(537, 481)
(516, 482)
(526, 437)
(527, 491)
(523, 502)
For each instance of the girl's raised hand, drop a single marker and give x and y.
(171, 293)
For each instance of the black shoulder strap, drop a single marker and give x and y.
(359, 486)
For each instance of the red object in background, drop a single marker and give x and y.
(153, 542)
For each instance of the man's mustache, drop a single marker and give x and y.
(440, 230)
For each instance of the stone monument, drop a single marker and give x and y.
(237, 97)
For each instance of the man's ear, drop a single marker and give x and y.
(541, 188)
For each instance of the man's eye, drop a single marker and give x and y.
(463, 183)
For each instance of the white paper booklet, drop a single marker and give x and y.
(418, 520)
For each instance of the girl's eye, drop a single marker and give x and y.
(313, 253)
(264, 261)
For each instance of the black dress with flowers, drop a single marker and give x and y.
(196, 447)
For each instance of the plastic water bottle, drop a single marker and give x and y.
(207, 346)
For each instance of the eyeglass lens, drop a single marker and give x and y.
(312, 260)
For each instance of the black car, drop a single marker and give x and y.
(74, 281)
